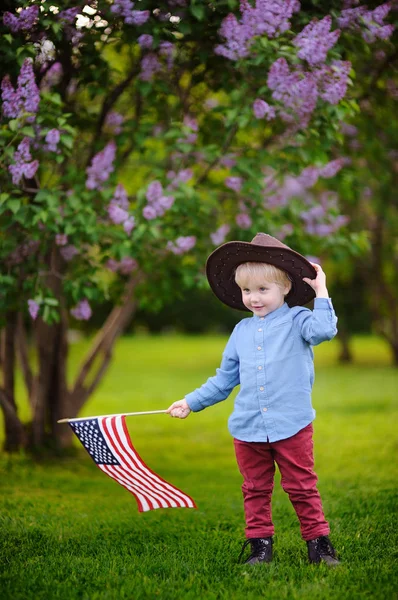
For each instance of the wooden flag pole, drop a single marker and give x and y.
(131, 414)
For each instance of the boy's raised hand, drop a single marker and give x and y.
(179, 409)
(319, 283)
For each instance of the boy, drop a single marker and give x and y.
(270, 355)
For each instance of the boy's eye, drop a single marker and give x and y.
(263, 289)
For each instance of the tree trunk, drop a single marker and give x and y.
(345, 355)
(14, 434)
(49, 395)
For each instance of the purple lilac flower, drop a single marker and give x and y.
(228, 161)
(269, 17)
(154, 191)
(150, 65)
(116, 214)
(52, 77)
(165, 202)
(138, 17)
(145, 41)
(331, 168)
(348, 129)
(190, 139)
(33, 308)
(101, 167)
(112, 265)
(114, 122)
(118, 209)
(191, 122)
(120, 197)
(218, 237)
(158, 203)
(237, 38)
(262, 109)
(129, 225)
(243, 220)
(308, 177)
(25, 98)
(25, 20)
(52, 139)
(24, 166)
(124, 9)
(61, 239)
(295, 90)
(68, 252)
(315, 40)
(167, 50)
(180, 177)
(332, 80)
(182, 244)
(149, 212)
(69, 15)
(234, 183)
(369, 21)
(82, 311)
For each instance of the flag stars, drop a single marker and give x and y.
(92, 439)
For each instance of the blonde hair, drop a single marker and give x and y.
(262, 272)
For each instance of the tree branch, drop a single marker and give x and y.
(22, 350)
(103, 343)
(109, 101)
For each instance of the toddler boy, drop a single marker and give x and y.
(270, 355)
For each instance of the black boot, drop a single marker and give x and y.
(261, 550)
(321, 550)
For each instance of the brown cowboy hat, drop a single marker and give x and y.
(222, 263)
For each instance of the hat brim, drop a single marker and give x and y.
(222, 263)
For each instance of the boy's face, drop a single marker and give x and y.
(263, 297)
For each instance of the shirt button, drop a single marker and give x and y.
(258, 347)
(261, 389)
(261, 318)
(265, 409)
(259, 368)
(260, 329)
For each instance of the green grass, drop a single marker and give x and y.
(69, 532)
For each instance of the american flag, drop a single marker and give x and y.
(107, 441)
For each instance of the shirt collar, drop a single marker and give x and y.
(284, 309)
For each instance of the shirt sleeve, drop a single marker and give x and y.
(220, 386)
(318, 325)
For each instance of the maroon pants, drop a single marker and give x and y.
(294, 457)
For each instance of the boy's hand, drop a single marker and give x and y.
(319, 283)
(179, 409)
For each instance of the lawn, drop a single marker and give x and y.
(68, 532)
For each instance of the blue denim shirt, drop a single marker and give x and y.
(272, 359)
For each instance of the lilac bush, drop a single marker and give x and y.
(132, 142)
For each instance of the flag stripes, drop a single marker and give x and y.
(124, 464)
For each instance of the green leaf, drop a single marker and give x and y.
(198, 11)
(13, 124)
(14, 205)
(4, 197)
(67, 141)
(51, 301)
(28, 130)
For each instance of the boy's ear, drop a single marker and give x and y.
(288, 288)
